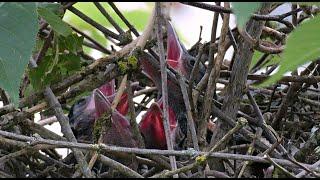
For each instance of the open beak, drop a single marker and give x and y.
(174, 49)
(108, 88)
(102, 104)
(151, 126)
(109, 92)
(123, 105)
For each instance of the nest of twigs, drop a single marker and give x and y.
(252, 132)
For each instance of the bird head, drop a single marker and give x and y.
(120, 132)
(152, 129)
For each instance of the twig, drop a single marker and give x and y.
(240, 68)
(241, 123)
(6, 109)
(66, 129)
(121, 89)
(279, 167)
(47, 121)
(261, 122)
(247, 134)
(109, 18)
(114, 7)
(260, 45)
(216, 174)
(189, 113)
(167, 173)
(215, 8)
(144, 91)
(289, 98)
(120, 167)
(5, 175)
(4, 97)
(202, 159)
(90, 21)
(250, 151)
(101, 47)
(194, 72)
(108, 149)
(164, 87)
(132, 113)
(212, 50)
(63, 121)
(304, 172)
(213, 77)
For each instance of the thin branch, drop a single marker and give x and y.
(280, 167)
(120, 167)
(90, 21)
(164, 87)
(194, 72)
(63, 121)
(213, 77)
(189, 113)
(132, 113)
(289, 98)
(109, 18)
(114, 7)
(105, 50)
(109, 149)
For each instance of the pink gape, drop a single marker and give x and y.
(108, 90)
(151, 125)
(120, 132)
(95, 106)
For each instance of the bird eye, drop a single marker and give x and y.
(192, 62)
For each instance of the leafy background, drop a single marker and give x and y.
(18, 39)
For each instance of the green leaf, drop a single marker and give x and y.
(49, 71)
(256, 56)
(69, 63)
(18, 30)
(307, 3)
(271, 59)
(56, 8)
(243, 11)
(55, 21)
(37, 75)
(303, 45)
(71, 43)
(38, 46)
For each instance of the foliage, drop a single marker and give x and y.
(296, 53)
(243, 11)
(17, 38)
(139, 19)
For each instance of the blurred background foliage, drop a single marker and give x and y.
(137, 17)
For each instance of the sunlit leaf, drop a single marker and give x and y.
(303, 45)
(55, 21)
